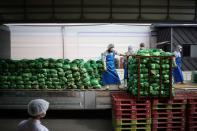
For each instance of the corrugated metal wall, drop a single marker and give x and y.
(181, 36)
(97, 11)
(5, 50)
(163, 34)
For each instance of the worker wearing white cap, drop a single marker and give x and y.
(129, 53)
(37, 109)
(110, 75)
(142, 46)
(177, 72)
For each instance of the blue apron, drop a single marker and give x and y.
(125, 70)
(110, 76)
(177, 72)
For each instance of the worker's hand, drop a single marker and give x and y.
(174, 63)
(105, 68)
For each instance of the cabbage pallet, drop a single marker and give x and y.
(146, 73)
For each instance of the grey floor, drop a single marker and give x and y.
(63, 124)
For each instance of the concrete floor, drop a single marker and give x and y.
(63, 124)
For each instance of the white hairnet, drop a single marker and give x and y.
(37, 107)
(130, 48)
(110, 46)
(179, 47)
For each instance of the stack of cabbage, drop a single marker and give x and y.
(93, 71)
(149, 75)
(194, 76)
(48, 74)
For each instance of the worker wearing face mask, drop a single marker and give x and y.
(142, 46)
(128, 54)
(37, 109)
(177, 72)
(110, 75)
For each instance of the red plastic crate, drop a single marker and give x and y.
(131, 111)
(191, 115)
(168, 120)
(138, 116)
(168, 116)
(127, 101)
(124, 98)
(192, 120)
(168, 125)
(131, 102)
(169, 129)
(192, 97)
(132, 114)
(118, 122)
(131, 106)
(169, 106)
(134, 126)
(192, 111)
(163, 111)
(193, 124)
(192, 106)
(180, 100)
(192, 128)
(192, 101)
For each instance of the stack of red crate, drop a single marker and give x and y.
(131, 114)
(169, 114)
(192, 111)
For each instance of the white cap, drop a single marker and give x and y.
(110, 46)
(37, 107)
(179, 46)
(130, 48)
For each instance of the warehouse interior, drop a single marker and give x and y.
(53, 50)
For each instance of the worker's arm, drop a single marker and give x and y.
(120, 54)
(174, 62)
(103, 56)
(174, 59)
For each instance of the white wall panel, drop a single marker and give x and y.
(90, 41)
(87, 42)
(30, 42)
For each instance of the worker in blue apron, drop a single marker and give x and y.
(110, 75)
(177, 72)
(128, 54)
